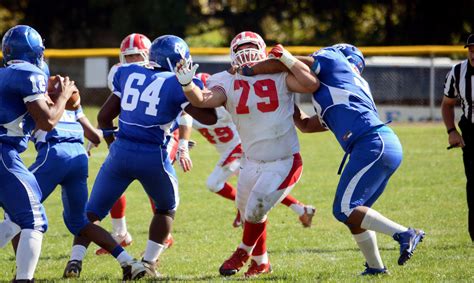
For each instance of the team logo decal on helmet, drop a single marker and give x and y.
(167, 50)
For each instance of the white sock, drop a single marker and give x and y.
(367, 242)
(377, 222)
(119, 226)
(248, 249)
(8, 231)
(260, 259)
(124, 257)
(78, 252)
(27, 254)
(153, 251)
(298, 208)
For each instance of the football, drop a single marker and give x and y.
(54, 88)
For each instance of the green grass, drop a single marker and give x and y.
(428, 192)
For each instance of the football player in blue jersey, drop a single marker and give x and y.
(147, 101)
(62, 160)
(345, 106)
(23, 107)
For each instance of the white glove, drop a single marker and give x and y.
(185, 71)
(183, 156)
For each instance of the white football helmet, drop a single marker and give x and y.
(248, 56)
(135, 43)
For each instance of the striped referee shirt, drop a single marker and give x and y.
(459, 83)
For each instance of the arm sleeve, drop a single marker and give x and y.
(79, 113)
(450, 84)
(110, 76)
(32, 86)
(323, 61)
(116, 87)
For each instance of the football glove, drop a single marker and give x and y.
(280, 53)
(183, 157)
(185, 72)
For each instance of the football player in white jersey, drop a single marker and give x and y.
(134, 49)
(225, 138)
(261, 108)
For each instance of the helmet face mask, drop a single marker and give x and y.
(353, 55)
(23, 43)
(167, 50)
(251, 54)
(135, 44)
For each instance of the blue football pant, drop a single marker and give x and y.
(373, 160)
(64, 164)
(126, 162)
(20, 194)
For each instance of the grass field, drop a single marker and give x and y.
(428, 192)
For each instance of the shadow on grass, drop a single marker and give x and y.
(325, 251)
(64, 258)
(190, 278)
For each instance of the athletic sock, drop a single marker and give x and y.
(28, 252)
(78, 252)
(367, 242)
(228, 191)
(377, 222)
(153, 251)
(119, 226)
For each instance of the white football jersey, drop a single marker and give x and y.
(262, 109)
(223, 134)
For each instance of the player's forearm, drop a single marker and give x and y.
(195, 96)
(305, 77)
(270, 66)
(305, 123)
(447, 111)
(90, 132)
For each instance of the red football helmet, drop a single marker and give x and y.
(247, 56)
(203, 77)
(135, 43)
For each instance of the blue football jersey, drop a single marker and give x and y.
(343, 100)
(151, 100)
(20, 82)
(68, 129)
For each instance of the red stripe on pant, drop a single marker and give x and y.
(295, 172)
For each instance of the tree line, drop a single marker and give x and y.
(103, 23)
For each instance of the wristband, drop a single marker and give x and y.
(287, 59)
(188, 87)
(183, 144)
(451, 130)
(185, 120)
(108, 132)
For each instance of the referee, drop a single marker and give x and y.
(459, 85)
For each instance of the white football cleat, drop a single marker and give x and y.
(133, 270)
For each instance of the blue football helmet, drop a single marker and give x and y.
(23, 43)
(353, 55)
(167, 50)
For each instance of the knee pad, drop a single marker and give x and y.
(170, 213)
